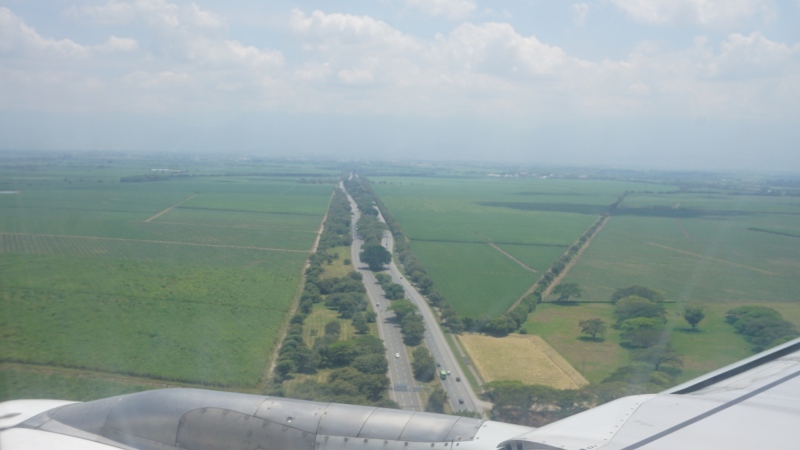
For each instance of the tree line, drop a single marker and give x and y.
(358, 364)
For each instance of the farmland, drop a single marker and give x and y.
(694, 248)
(694, 254)
(721, 247)
(183, 280)
(452, 222)
(522, 358)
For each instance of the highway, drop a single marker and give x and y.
(437, 344)
(403, 389)
(457, 391)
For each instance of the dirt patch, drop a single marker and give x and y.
(524, 358)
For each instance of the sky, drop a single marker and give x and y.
(668, 84)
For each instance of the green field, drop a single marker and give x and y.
(694, 248)
(705, 258)
(101, 275)
(27, 384)
(451, 221)
(712, 346)
(480, 280)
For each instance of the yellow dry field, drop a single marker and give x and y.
(521, 357)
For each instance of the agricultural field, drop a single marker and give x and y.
(712, 252)
(476, 277)
(522, 358)
(718, 250)
(486, 240)
(187, 280)
(711, 346)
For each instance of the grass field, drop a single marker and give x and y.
(188, 279)
(712, 346)
(522, 358)
(698, 259)
(27, 384)
(475, 278)
(450, 221)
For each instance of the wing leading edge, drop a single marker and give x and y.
(751, 404)
(754, 403)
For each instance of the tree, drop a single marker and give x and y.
(373, 363)
(500, 326)
(639, 291)
(413, 329)
(658, 355)
(333, 328)
(360, 323)
(566, 290)
(403, 308)
(375, 256)
(593, 327)
(436, 401)
(641, 332)
(424, 365)
(394, 291)
(693, 315)
(632, 307)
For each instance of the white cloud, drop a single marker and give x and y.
(346, 30)
(228, 51)
(714, 13)
(754, 55)
(581, 10)
(497, 48)
(156, 13)
(162, 79)
(16, 35)
(312, 71)
(117, 44)
(449, 9)
(355, 76)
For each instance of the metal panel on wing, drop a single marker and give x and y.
(385, 424)
(344, 420)
(299, 414)
(213, 428)
(155, 415)
(427, 427)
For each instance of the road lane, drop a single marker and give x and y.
(434, 337)
(400, 374)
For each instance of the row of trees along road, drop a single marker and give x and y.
(356, 367)
(371, 229)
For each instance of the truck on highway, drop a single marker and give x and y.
(443, 375)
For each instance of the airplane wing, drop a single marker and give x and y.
(751, 404)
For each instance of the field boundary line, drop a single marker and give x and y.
(680, 225)
(743, 266)
(575, 259)
(509, 255)
(270, 368)
(161, 213)
(241, 247)
(93, 374)
(229, 226)
(569, 265)
(562, 364)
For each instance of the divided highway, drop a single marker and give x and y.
(460, 393)
(403, 389)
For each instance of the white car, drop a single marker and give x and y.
(397, 355)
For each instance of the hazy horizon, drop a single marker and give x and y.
(707, 85)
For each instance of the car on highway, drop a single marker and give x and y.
(461, 401)
(458, 378)
(397, 355)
